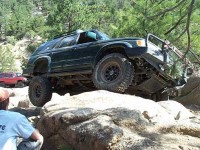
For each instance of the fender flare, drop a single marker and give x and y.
(44, 58)
(123, 45)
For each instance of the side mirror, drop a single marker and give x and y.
(91, 35)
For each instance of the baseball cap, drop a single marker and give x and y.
(4, 94)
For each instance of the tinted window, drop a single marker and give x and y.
(8, 75)
(48, 45)
(67, 41)
(1, 75)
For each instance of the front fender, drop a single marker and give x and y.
(43, 58)
(114, 47)
(130, 50)
(116, 44)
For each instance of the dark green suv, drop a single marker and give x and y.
(88, 60)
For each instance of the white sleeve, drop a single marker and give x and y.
(23, 127)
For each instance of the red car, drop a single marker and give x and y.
(12, 80)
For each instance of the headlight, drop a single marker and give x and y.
(141, 43)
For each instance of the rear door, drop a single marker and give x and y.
(62, 57)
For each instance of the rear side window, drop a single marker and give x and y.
(67, 41)
(48, 45)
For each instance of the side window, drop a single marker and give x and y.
(6, 75)
(9, 75)
(67, 41)
(48, 45)
(86, 37)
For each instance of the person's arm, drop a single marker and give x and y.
(37, 137)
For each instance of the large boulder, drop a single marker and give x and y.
(104, 120)
(19, 98)
(190, 93)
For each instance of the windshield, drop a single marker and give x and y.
(18, 74)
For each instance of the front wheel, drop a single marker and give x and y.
(114, 72)
(40, 91)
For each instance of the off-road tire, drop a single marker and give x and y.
(2, 84)
(19, 84)
(114, 72)
(40, 91)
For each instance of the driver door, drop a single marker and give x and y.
(85, 50)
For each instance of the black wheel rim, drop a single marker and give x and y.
(37, 90)
(111, 72)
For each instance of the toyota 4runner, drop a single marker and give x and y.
(88, 60)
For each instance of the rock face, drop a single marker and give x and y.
(190, 93)
(104, 120)
(19, 98)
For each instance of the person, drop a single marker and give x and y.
(13, 125)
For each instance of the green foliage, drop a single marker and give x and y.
(32, 47)
(176, 71)
(30, 34)
(117, 18)
(23, 63)
(6, 60)
(11, 40)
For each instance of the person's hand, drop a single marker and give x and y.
(37, 137)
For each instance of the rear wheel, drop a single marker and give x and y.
(19, 84)
(114, 72)
(40, 91)
(2, 84)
